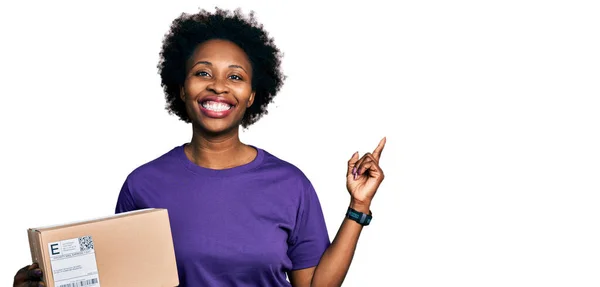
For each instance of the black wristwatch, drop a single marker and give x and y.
(362, 218)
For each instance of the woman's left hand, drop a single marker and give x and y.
(364, 177)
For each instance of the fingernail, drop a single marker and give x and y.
(38, 272)
(354, 170)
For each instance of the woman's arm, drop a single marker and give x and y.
(363, 179)
(335, 262)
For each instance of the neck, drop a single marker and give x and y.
(217, 151)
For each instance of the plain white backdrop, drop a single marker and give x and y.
(490, 108)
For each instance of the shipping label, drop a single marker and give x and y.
(73, 262)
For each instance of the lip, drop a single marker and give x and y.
(217, 99)
(215, 114)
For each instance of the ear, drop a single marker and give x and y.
(182, 94)
(251, 99)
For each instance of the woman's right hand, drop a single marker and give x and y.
(29, 276)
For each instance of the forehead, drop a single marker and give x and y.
(219, 51)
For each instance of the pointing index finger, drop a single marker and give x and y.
(379, 149)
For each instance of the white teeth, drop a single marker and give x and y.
(216, 106)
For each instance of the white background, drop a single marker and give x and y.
(490, 108)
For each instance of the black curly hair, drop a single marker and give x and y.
(189, 30)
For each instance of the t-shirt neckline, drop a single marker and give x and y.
(180, 152)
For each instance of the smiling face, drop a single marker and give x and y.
(217, 89)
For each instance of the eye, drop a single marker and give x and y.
(235, 77)
(202, 74)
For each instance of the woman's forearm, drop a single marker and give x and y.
(335, 262)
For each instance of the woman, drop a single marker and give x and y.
(239, 215)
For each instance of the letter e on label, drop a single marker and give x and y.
(54, 249)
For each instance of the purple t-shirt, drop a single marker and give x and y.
(243, 226)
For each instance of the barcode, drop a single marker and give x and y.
(81, 283)
(86, 243)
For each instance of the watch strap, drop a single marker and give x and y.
(362, 218)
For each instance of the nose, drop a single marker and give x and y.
(217, 86)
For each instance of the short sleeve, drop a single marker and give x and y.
(309, 238)
(125, 200)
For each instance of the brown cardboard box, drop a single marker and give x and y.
(128, 249)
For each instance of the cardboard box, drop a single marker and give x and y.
(128, 249)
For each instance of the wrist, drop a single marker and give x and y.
(362, 218)
(361, 206)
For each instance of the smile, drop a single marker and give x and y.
(216, 106)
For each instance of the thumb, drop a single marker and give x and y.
(351, 164)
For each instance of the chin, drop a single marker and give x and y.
(217, 127)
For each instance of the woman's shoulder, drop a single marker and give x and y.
(283, 166)
(167, 160)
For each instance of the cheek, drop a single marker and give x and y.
(244, 93)
(193, 86)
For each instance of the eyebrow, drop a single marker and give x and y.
(210, 64)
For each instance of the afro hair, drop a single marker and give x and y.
(190, 30)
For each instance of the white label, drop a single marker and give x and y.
(73, 262)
